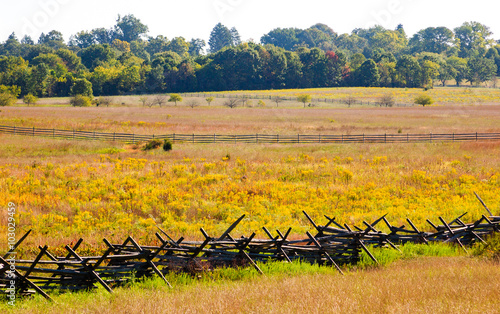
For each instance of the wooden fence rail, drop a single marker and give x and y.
(251, 138)
(334, 244)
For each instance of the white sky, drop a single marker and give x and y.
(252, 18)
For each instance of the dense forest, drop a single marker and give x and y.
(124, 60)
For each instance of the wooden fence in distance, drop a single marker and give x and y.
(251, 138)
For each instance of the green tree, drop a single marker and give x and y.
(96, 55)
(480, 70)
(30, 99)
(83, 40)
(82, 87)
(12, 47)
(209, 100)
(304, 99)
(285, 38)
(367, 74)
(356, 60)
(424, 100)
(220, 37)
(175, 98)
(7, 99)
(53, 39)
(408, 70)
(130, 28)
(196, 47)
(179, 46)
(429, 72)
(446, 73)
(433, 39)
(473, 38)
(459, 66)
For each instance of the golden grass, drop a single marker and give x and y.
(424, 285)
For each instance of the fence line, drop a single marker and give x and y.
(335, 244)
(251, 138)
(292, 98)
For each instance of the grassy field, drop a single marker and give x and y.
(443, 96)
(424, 285)
(65, 190)
(220, 120)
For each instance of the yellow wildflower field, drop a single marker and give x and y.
(129, 192)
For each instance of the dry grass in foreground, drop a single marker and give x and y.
(424, 285)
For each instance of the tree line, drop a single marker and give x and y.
(124, 60)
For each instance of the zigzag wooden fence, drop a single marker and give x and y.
(251, 138)
(334, 245)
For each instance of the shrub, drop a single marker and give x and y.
(304, 99)
(424, 100)
(175, 98)
(152, 144)
(105, 101)
(490, 250)
(386, 100)
(7, 99)
(80, 101)
(30, 99)
(167, 145)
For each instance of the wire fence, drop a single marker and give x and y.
(245, 97)
(250, 138)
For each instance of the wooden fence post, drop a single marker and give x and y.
(33, 131)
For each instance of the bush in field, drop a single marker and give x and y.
(304, 99)
(167, 145)
(232, 102)
(30, 99)
(7, 99)
(490, 250)
(8, 95)
(424, 100)
(386, 100)
(175, 98)
(152, 144)
(209, 100)
(104, 101)
(80, 101)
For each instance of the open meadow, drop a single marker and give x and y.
(65, 190)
